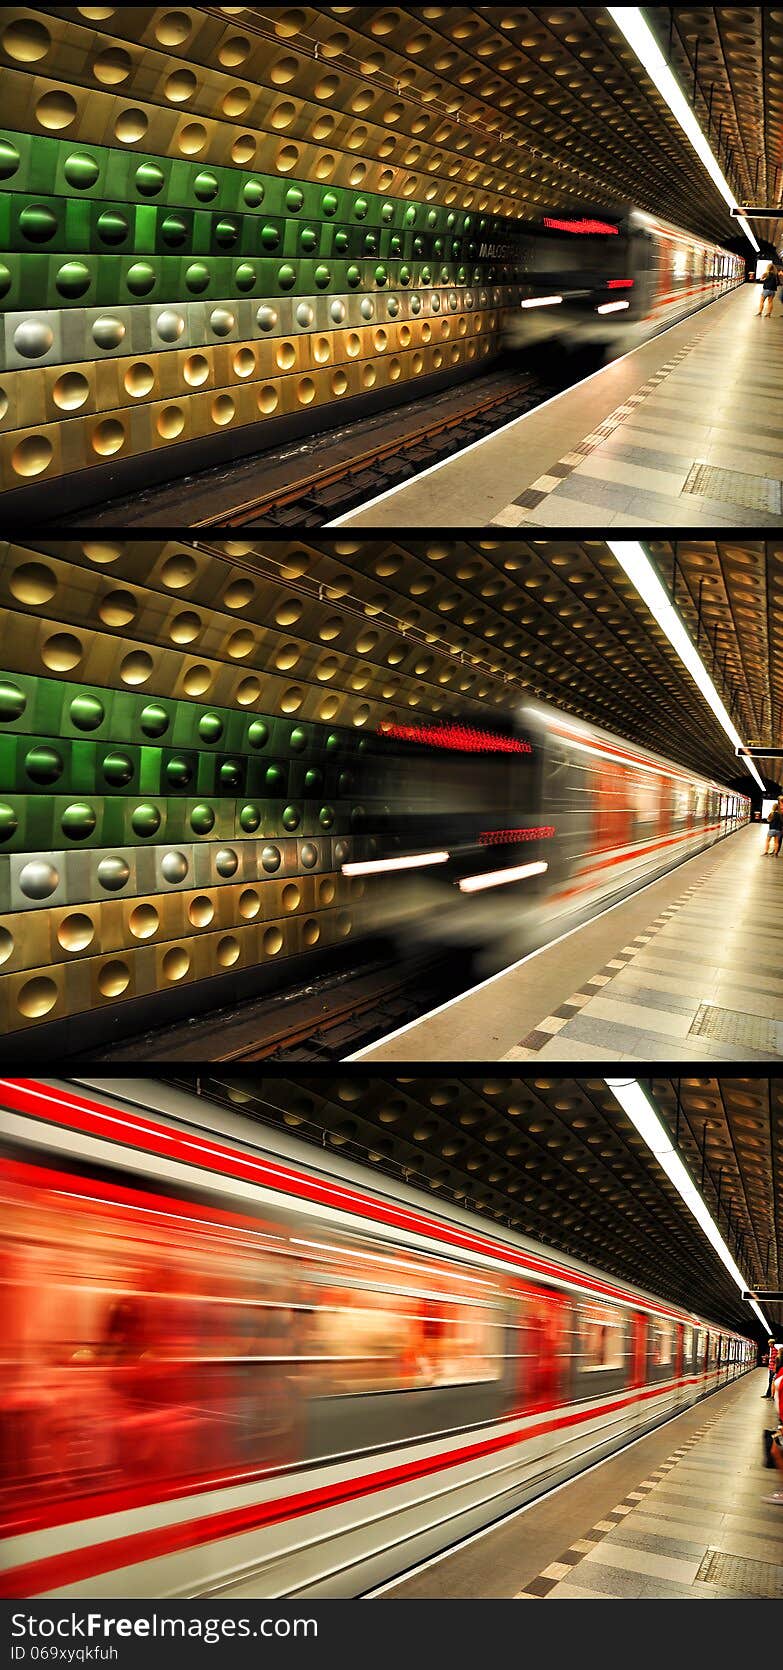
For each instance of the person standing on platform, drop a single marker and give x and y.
(769, 288)
(775, 1440)
(772, 1363)
(774, 831)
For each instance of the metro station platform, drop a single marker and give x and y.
(678, 1515)
(690, 968)
(686, 431)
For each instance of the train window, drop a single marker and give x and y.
(366, 1342)
(662, 1343)
(601, 1338)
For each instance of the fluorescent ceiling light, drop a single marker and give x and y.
(644, 1118)
(379, 866)
(638, 34)
(634, 560)
(501, 878)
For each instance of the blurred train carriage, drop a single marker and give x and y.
(612, 279)
(228, 1356)
(520, 832)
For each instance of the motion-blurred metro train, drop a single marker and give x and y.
(516, 835)
(613, 280)
(233, 1367)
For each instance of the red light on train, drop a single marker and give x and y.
(510, 837)
(620, 284)
(582, 228)
(463, 738)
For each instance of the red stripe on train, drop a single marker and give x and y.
(638, 852)
(79, 1564)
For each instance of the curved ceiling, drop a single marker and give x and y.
(559, 1160)
(730, 596)
(541, 107)
(729, 62)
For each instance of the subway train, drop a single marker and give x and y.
(495, 842)
(235, 1367)
(612, 280)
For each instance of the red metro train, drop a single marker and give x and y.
(534, 830)
(614, 279)
(233, 1368)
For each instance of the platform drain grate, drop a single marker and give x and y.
(756, 492)
(755, 1578)
(730, 1026)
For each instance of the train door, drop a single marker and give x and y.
(638, 1349)
(544, 1346)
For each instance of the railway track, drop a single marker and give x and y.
(402, 450)
(309, 482)
(324, 1021)
(371, 1005)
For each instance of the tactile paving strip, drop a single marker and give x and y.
(540, 1587)
(731, 1026)
(755, 492)
(554, 1023)
(539, 490)
(755, 1578)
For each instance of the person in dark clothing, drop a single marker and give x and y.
(772, 1363)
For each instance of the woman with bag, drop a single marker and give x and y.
(774, 831)
(769, 287)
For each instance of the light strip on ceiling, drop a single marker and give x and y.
(638, 34)
(636, 564)
(636, 1104)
